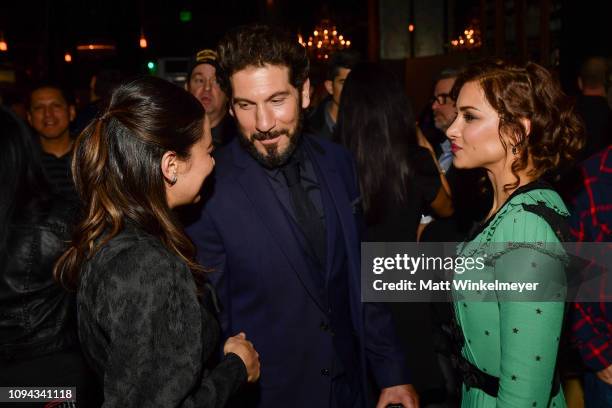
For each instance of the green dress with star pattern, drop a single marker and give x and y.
(515, 340)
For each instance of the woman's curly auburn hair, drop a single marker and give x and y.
(529, 92)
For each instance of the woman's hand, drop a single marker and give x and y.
(244, 349)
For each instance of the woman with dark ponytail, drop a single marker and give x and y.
(145, 314)
(515, 122)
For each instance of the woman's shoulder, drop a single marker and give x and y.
(135, 255)
(543, 196)
(535, 215)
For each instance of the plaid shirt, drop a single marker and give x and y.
(591, 221)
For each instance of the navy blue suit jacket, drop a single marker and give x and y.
(246, 238)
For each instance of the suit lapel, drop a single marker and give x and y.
(329, 208)
(338, 192)
(341, 204)
(252, 179)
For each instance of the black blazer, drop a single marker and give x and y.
(144, 331)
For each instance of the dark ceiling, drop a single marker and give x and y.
(40, 32)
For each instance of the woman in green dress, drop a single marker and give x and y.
(515, 122)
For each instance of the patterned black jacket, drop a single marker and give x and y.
(144, 331)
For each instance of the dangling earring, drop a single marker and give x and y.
(514, 150)
(173, 180)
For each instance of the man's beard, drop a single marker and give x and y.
(273, 158)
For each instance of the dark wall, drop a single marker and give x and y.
(586, 30)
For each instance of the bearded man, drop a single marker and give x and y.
(280, 234)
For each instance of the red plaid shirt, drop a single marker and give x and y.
(591, 221)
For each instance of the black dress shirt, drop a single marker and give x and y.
(308, 179)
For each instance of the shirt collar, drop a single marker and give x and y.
(298, 155)
(329, 121)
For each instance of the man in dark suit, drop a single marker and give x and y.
(280, 233)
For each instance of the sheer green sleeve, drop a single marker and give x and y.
(529, 329)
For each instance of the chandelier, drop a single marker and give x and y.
(324, 41)
(469, 39)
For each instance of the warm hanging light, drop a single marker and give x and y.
(324, 41)
(68, 57)
(469, 39)
(95, 47)
(411, 27)
(143, 40)
(3, 44)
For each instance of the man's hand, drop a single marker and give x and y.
(404, 394)
(605, 375)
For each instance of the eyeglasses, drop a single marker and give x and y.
(442, 98)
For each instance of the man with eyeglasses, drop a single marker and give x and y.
(444, 112)
(465, 185)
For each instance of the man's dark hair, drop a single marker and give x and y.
(340, 59)
(258, 45)
(594, 72)
(66, 94)
(448, 73)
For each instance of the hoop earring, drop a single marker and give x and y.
(173, 179)
(514, 150)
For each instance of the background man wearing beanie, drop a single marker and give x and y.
(203, 84)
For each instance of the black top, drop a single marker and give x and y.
(59, 173)
(399, 222)
(144, 331)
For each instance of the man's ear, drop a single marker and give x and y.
(169, 166)
(72, 113)
(306, 94)
(29, 118)
(231, 109)
(329, 86)
(580, 84)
